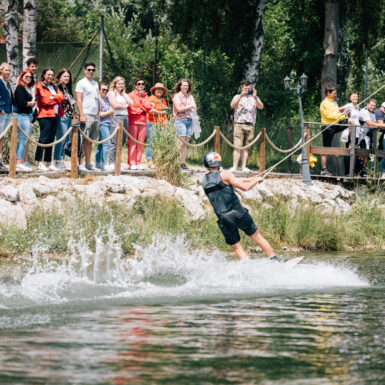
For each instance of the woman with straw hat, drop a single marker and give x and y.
(156, 117)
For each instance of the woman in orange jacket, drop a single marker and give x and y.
(49, 98)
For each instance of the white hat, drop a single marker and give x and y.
(383, 105)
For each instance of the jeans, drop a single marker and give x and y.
(48, 128)
(102, 149)
(152, 130)
(63, 125)
(25, 122)
(5, 121)
(383, 159)
(112, 150)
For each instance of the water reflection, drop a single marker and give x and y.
(285, 335)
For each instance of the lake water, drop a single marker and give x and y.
(179, 316)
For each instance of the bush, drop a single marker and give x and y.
(166, 155)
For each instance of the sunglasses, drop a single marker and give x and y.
(91, 69)
(140, 84)
(104, 89)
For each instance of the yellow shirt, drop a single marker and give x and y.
(330, 112)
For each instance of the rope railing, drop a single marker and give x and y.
(240, 148)
(45, 145)
(135, 140)
(2, 135)
(99, 141)
(279, 149)
(197, 144)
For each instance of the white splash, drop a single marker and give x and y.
(168, 268)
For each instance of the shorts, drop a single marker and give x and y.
(91, 128)
(243, 134)
(231, 221)
(327, 135)
(183, 127)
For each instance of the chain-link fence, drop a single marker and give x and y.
(61, 55)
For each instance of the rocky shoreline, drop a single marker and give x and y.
(19, 197)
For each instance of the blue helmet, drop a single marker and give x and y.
(212, 159)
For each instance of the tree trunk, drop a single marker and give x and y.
(329, 69)
(253, 66)
(29, 30)
(11, 33)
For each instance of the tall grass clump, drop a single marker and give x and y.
(166, 155)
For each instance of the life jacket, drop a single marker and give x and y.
(221, 196)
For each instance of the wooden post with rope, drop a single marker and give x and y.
(118, 158)
(262, 149)
(217, 142)
(12, 149)
(74, 153)
(352, 149)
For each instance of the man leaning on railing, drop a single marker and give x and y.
(330, 113)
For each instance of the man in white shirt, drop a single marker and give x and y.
(87, 101)
(245, 105)
(369, 120)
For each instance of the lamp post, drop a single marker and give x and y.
(299, 89)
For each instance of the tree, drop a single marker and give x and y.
(29, 30)
(252, 67)
(329, 68)
(11, 34)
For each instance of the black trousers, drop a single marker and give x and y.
(48, 127)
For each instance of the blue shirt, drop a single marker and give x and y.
(6, 97)
(379, 115)
(104, 107)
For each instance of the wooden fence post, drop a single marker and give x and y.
(118, 158)
(74, 152)
(262, 149)
(217, 140)
(12, 149)
(352, 159)
(289, 144)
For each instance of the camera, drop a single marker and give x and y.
(249, 92)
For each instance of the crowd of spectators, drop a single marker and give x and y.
(100, 107)
(349, 119)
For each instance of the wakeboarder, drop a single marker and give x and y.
(219, 187)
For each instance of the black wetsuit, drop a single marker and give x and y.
(231, 215)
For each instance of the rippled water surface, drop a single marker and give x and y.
(173, 315)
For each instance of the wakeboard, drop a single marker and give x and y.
(293, 261)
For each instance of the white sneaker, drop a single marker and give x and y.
(52, 167)
(82, 167)
(29, 166)
(109, 167)
(60, 166)
(42, 167)
(246, 169)
(22, 167)
(141, 166)
(383, 176)
(134, 167)
(233, 169)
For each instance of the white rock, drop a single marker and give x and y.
(41, 190)
(191, 202)
(12, 214)
(10, 193)
(114, 184)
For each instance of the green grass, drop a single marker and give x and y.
(306, 227)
